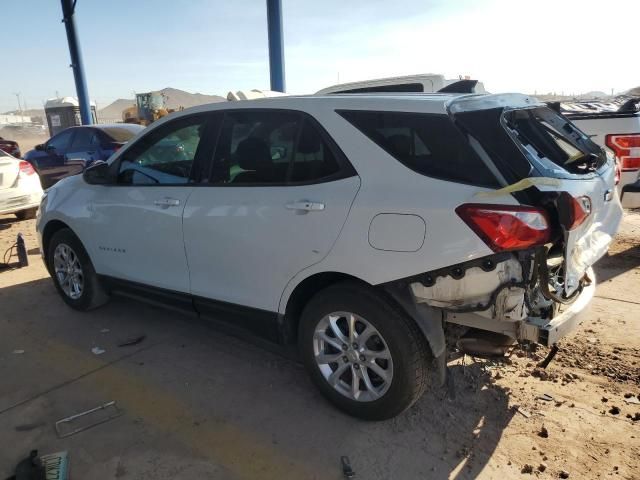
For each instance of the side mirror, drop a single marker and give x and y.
(97, 173)
(40, 146)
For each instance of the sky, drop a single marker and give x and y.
(214, 46)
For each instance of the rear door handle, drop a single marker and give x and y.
(167, 202)
(305, 206)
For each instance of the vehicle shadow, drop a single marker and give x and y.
(611, 266)
(233, 381)
(7, 220)
(461, 428)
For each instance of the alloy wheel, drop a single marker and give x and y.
(68, 271)
(353, 356)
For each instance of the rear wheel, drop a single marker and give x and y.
(73, 273)
(365, 356)
(27, 214)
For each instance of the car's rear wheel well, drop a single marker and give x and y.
(301, 295)
(309, 287)
(49, 230)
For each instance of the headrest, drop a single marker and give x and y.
(253, 154)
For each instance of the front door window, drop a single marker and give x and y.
(165, 156)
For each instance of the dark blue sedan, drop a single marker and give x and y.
(72, 150)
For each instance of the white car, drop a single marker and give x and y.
(360, 227)
(20, 190)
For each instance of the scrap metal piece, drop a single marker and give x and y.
(550, 356)
(111, 409)
(346, 468)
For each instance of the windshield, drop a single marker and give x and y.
(553, 141)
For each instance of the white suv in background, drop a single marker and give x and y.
(359, 227)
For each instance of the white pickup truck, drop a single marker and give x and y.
(614, 125)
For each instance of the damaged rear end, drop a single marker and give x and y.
(553, 218)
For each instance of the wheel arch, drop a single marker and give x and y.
(300, 296)
(48, 231)
(310, 286)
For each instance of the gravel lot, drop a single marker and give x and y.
(199, 404)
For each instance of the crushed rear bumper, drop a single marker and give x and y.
(549, 332)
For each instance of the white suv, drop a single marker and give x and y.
(361, 227)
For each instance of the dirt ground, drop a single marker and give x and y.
(199, 404)
(26, 140)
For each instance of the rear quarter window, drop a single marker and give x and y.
(428, 144)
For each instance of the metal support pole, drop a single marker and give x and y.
(68, 10)
(276, 45)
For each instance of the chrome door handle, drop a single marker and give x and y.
(306, 206)
(167, 202)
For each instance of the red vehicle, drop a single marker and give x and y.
(10, 147)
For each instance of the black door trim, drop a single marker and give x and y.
(239, 318)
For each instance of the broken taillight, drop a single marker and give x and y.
(580, 210)
(506, 227)
(627, 149)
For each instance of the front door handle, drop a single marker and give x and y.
(305, 206)
(167, 202)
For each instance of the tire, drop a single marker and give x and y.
(66, 251)
(396, 336)
(28, 214)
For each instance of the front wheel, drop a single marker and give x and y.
(366, 357)
(73, 273)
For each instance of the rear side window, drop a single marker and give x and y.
(271, 148)
(82, 139)
(428, 144)
(313, 159)
(255, 147)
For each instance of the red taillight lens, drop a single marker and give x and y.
(627, 149)
(580, 210)
(26, 168)
(630, 164)
(506, 227)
